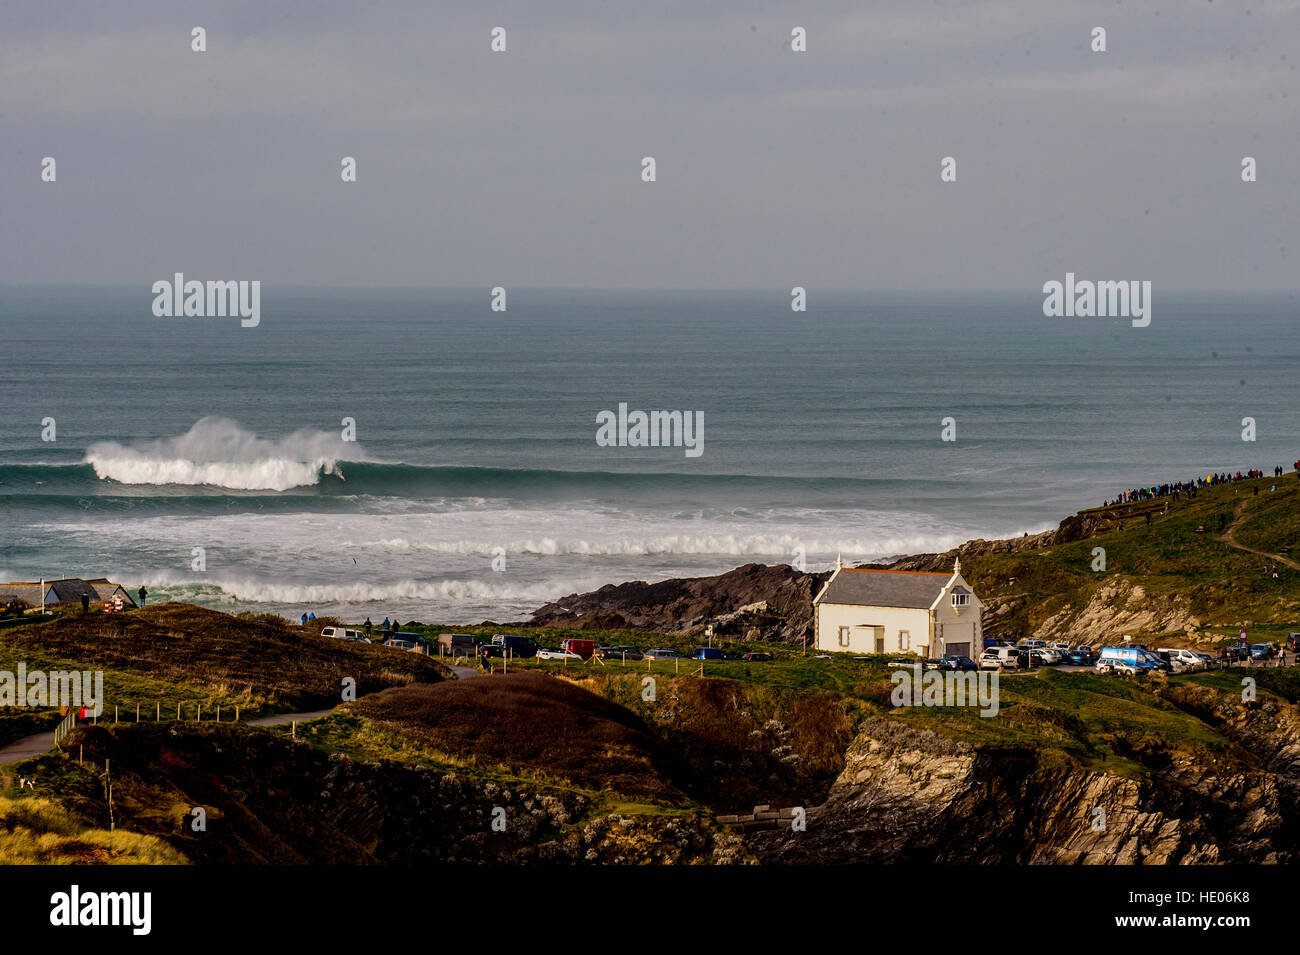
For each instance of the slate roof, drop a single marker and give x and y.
(885, 588)
(66, 590)
(29, 594)
(71, 589)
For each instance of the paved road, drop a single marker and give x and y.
(39, 743)
(27, 747)
(281, 719)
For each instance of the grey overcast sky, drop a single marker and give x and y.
(775, 168)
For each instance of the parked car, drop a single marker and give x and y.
(1080, 657)
(618, 653)
(664, 653)
(342, 633)
(1042, 657)
(491, 650)
(708, 653)
(1293, 642)
(1261, 652)
(557, 655)
(1236, 652)
(1032, 644)
(903, 663)
(1181, 658)
(952, 661)
(1209, 659)
(999, 658)
(403, 641)
(757, 657)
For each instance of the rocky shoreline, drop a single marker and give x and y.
(761, 601)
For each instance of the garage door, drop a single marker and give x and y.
(957, 649)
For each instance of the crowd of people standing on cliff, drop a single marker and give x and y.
(1188, 489)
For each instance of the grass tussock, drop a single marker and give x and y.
(39, 831)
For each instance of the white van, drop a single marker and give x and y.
(342, 633)
(1182, 658)
(1000, 658)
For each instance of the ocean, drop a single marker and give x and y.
(208, 461)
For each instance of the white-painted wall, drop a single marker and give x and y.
(929, 631)
(831, 617)
(953, 625)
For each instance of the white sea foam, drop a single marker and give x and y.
(217, 451)
(436, 594)
(726, 545)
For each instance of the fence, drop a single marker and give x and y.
(130, 713)
(65, 727)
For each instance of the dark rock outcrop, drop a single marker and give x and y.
(755, 602)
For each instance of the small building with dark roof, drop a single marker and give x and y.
(66, 590)
(865, 610)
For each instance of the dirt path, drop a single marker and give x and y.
(1229, 537)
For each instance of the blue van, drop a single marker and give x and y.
(708, 653)
(1132, 659)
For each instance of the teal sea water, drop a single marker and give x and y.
(476, 434)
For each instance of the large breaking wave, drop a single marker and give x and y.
(217, 452)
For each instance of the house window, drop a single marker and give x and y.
(960, 600)
(844, 636)
(904, 640)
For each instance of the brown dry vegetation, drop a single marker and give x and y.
(742, 748)
(37, 831)
(267, 659)
(534, 723)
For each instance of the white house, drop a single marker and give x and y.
(861, 610)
